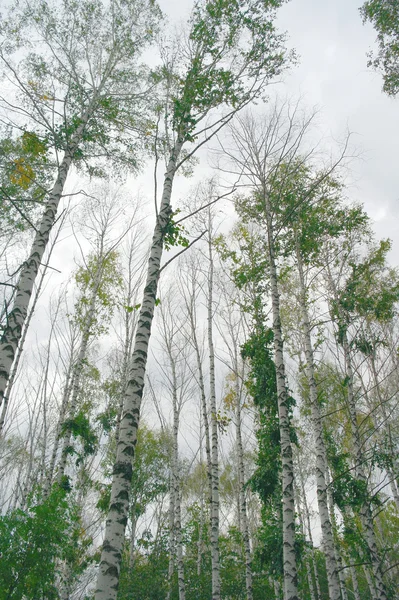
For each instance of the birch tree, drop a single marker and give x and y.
(78, 93)
(232, 52)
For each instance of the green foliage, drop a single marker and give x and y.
(372, 289)
(23, 179)
(99, 284)
(234, 49)
(347, 490)
(81, 429)
(174, 234)
(71, 39)
(32, 542)
(384, 15)
(262, 387)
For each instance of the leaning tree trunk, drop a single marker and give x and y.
(16, 318)
(289, 558)
(321, 458)
(214, 435)
(111, 555)
(21, 343)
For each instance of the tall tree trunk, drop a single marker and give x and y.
(17, 316)
(191, 311)
(241, 483)
(302, 497)
(111, 555)
(308, 559)
(337, 553)
(321, 458)
(21, 344)
(214, 431)
(176, 483)
(290, 567)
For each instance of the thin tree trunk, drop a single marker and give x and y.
(172, 538)
(290, 567)
(309, 561)
(190, 304)
(337, 553)
(214, 432)
(108, 575)
(176, 482)
(321, 458)
(302, 496)
(241, 482)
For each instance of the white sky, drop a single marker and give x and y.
(332, 44)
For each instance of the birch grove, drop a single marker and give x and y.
(199, 330)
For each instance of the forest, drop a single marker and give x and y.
(199, 330)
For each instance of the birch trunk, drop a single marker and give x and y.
(176, 483)
(214, 432)
(172, 553)
(21, 344)
(16, 318)
(302, 496)
(337, 553)
(290, 568)
(321, 458)
(308, 559)
(241, 483)
(108, 575)
(190, 306)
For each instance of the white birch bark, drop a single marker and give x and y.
(30, 268)
(172, 539)
(241, 482)
(290, 568)
(310, 559)
(176, 536)
(214, 430)
(21, 343)
(108, 575)
(337, 553)
(321, 458)
(309, 562)
(190, 303)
